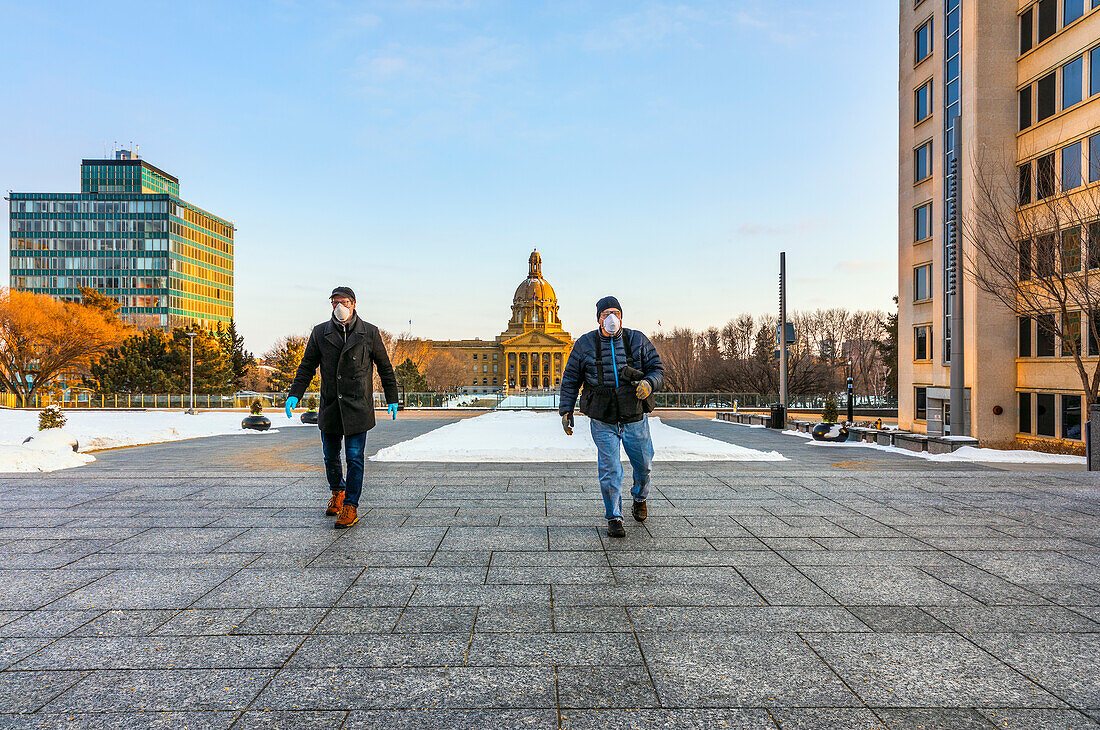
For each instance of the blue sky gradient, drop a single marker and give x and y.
(417, 150)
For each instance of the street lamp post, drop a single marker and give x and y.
(851, 408)
(191, 401)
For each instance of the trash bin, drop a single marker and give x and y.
(779, 416)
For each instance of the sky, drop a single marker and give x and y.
(418, 150)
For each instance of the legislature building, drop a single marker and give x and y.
(529, 354)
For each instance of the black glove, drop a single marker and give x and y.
(567, 423)
(631, 375)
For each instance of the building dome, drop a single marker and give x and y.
(535, 303)
(534, 289)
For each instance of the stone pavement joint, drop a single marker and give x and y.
(795, 595)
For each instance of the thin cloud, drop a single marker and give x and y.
(767, 230)
(662, 22)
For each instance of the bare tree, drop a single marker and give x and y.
(678, 354)
(1032, 256)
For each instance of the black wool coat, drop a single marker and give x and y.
(347, 357)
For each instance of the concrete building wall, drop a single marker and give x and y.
(992, 72)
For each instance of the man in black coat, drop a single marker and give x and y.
(619, 370)
(347, 349)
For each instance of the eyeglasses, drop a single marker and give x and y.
(605, 314)
(345, 302)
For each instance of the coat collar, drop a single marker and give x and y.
(334, 334)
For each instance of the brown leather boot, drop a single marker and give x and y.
(335, 503)
(347, 517)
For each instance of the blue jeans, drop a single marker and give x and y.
(354, 445)
(635, 439)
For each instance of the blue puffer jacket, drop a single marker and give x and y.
(581, 367)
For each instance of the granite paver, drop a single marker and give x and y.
(200, 584)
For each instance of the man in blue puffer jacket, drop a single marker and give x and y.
(619, 370)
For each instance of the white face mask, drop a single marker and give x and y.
(343, 314)
(611, 324)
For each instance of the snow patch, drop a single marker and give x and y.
(962, 454)
(112, 429)
(523, 436)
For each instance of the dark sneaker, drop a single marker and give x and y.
(335, 504)
(640, 511)
(347, 518)
(615, 528)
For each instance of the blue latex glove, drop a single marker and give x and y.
(393, 410)
(291, 403)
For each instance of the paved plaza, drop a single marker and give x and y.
(200, 585)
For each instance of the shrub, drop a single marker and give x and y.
(51, 417)
(829, 413)
(255, 407)
(311, 403)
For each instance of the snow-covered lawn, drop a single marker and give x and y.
(966, 453)
(512, 436)
(111, 429)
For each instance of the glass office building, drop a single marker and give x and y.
(129, 235)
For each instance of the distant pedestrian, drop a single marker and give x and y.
(619, 370)
(347, 349)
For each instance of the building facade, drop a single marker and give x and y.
(129, 235)
(530, 354)
(1021, 79)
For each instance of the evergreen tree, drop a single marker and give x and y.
(889, 348)
(409, 378)
(141, 364)
(213, 369)
(829, 413)
(101, 303)
(284, 358)
(241, 360)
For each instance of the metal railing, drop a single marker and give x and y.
(522, 400)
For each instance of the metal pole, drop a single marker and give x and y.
(783, 331)
(851, 405)
(191, 398)
(955, 281)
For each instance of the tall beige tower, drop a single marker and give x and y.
(1022, 77)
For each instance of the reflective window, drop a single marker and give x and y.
(922, 222)
(1094, 70)
(1094, 158)
(1025, 412)
(1071, 166)
(1044, 336)
(1025, 337)
(1044, 414)
(1071, 250)
(1044, 167)
(1094, 246)
(922, 284)
(1073, 75)
(1048, 19)
(1094, 342)
(922, 343)
(1025, 107)
(1045, 255)
(920, 403)
(1071, 334)
(1025, 183)
(1071, 417)
(922, 163)
(1047, 103)
(1072, 10)
(923, 102)
(1027, 30)
(923, 41)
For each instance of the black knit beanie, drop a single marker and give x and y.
(607, 303)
